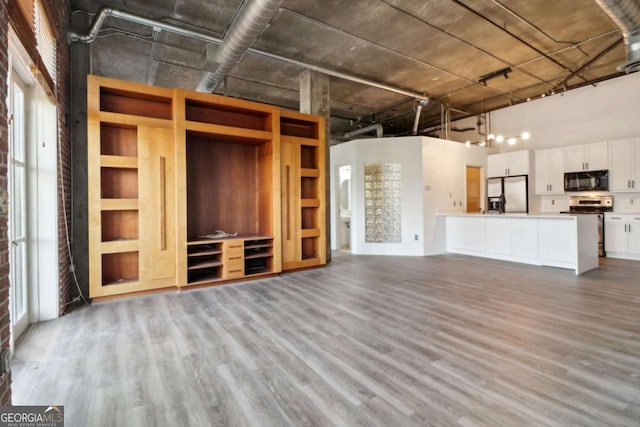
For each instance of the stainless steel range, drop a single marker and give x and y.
(593, 205)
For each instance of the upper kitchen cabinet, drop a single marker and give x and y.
(624, 165)
(508, 164)
(586, 157)
(549, 168)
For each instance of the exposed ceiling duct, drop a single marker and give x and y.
(157, 25)
(377, 128)
(626, 15)
(253, 19)
(416, 121)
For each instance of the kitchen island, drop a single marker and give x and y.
(556, 240)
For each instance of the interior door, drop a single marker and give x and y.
(473, 189)
(18, 205)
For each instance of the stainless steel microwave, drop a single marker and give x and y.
(587, 181)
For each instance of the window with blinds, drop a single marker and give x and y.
(45, 39)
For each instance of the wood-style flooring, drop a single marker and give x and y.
(370, 341)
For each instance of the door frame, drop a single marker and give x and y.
(483, 189)
(18, 245)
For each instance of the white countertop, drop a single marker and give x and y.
(511, 215)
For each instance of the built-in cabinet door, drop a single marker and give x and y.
(633, 234)
(549, 169)
(586, 157)
(499, 236)
(542, 171)
(496, 165)
(508, 164)
(556, 171)
(597, 156)
(574, 158)
(621, 162)
(291, 220)
(156, 171)
(524, 238)
(518, 163)
(616, 233)
(556, 241)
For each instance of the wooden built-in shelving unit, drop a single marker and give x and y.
(303, 190)
(169, 166)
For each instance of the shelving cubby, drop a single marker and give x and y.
(303, 163)
(125, 150)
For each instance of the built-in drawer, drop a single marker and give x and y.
(233, 259)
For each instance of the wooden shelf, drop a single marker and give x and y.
(207, 264)
(300, 140)
(260, 255)
(204, 253)
(125, 119)
(229, 133)
(218, 110)
(310, 232)
(309, 173)
(121, 282)
(119, 162)
(132, 103)
(118, 204)
(310, 203)
(118, 246)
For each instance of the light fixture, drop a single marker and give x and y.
(482, 143)
(468, 143)
(511, 140)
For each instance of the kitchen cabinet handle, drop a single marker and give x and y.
(616, 217)
(629, 183)
(550, 187)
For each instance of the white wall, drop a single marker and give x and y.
(357, 153)
(609, 110)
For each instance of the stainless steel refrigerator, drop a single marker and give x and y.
(511, 191)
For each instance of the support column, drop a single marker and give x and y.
(80, 67)
(314, 99)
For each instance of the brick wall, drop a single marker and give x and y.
(5, 380)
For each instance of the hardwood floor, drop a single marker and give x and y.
(388, 341)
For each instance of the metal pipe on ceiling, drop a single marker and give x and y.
(377, 128)
(626, 15)
(244, 32)
(126, 16)
(416, 121)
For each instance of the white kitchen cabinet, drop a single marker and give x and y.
(586, 157)
(499, 236)
(556, 242)
(508, 164)
(466, 233)
(549, 171)
(624, 165)
(622, 236)
(524, 238)
(564, 241)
